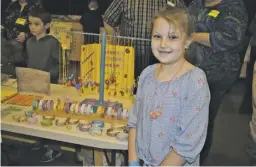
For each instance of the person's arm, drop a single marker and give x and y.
(252, 27)
(112, 16)
(193, 124)
(55, 55)
(202, 38)
(131, 146)
(227, 35)
(132, 121)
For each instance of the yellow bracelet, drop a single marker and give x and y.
(61, 107)
(72, 108)
(55, 106)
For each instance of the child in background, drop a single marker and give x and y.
(43, 52)
(168, 123)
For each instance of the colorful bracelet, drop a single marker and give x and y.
(60, 122)
(44, 105)
(125, 114)
(77, 108)
(41, 105)
(55, 105)
(97, 124)
(50, 105)
(32, 120)
(61, 107)
(72, 122)
(84, 126)
(89, 109)
(95, 131)
(72, 108)
(109, 112)
(35, 104)
(119, 113)
(112, 132)
(82, 109)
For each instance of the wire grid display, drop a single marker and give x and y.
(119, 65)
(62, 32)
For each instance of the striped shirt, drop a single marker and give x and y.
(134, 18)
(170, 116)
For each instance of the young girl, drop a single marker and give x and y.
(168, 123)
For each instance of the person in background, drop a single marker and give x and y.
(43, 53)
(91, 22)
(14, 33)
(220, 27)
(251, 146)
(133, 18)
(42, 50)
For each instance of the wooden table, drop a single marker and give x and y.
(62, 133)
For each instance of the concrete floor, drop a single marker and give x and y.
(230, 137)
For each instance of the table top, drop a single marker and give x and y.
(61, 133)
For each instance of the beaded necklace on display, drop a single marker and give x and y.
(154, 115)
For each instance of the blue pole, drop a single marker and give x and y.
(102, 67)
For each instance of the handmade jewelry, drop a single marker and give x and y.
(112, 132)
(61, 122)
(84, 126)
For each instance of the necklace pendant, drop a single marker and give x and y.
(153, 116)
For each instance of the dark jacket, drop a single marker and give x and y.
(12, 13)
(44, 54)
(252, 30)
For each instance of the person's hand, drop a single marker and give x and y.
(21, 37)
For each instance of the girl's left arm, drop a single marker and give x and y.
(192, 124)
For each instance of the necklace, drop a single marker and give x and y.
(154, 115)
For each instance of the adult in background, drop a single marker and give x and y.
(220, 27)
(133, 19)
(91, 22)
(15, 31)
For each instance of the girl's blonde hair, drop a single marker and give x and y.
(177, 17)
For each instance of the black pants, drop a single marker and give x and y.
(246, 106)
(218, 91)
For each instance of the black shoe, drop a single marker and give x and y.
(36, 146)
(50, 155)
